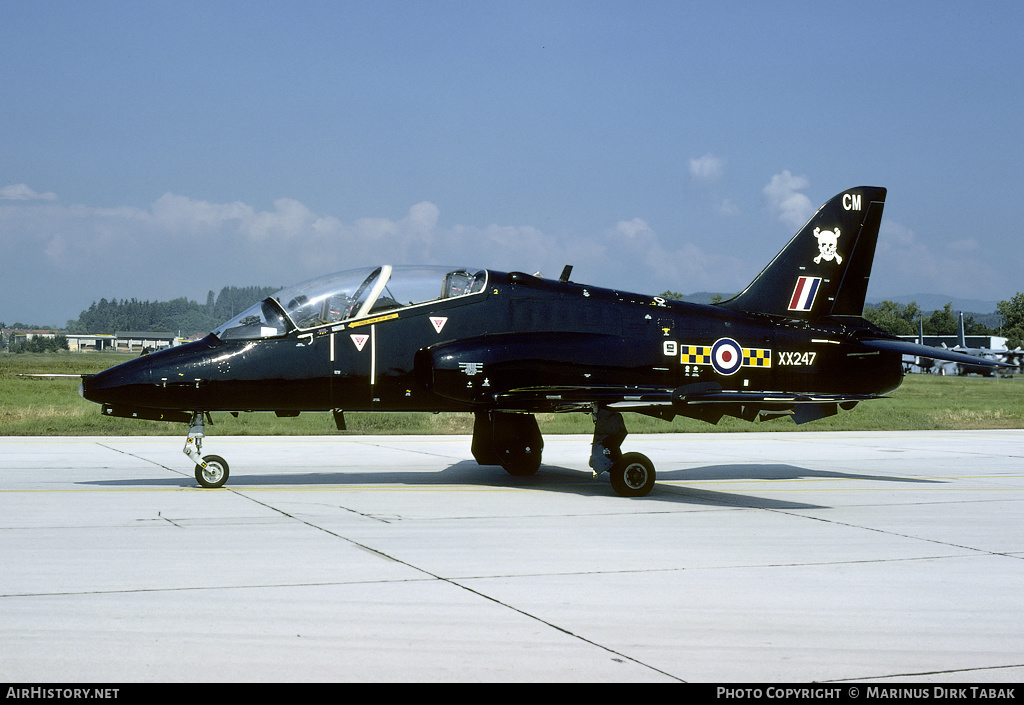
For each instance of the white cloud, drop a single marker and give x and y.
(656, 265)
(68, 256)
(727, 208)
(707, 168)
(906, 264)
(180, 246)
(21, 192)
(895, 235)
(179, 214)
(423, 216)
(784, 198)
(633, 229)
(290, 220)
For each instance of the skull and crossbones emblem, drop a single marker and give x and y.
(827, 246)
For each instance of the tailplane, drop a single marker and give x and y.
(824, 269)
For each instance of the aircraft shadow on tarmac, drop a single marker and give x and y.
(550, 478)
(773, 471)
(758, 472)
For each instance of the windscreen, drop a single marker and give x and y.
(262, 320)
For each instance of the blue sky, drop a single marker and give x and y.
(163, 149)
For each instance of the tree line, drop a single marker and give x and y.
(903, 319)
(178, 315)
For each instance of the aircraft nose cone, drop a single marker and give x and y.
(87, 389)
(118, 384)
(174, 378)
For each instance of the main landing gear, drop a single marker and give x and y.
(514, 442)
(631, 474)
(212, 470)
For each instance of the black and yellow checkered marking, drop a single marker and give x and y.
(757, 357)
(696, 355)
(701, 355)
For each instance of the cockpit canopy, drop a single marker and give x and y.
(351, 294)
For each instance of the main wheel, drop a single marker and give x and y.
(632, 475)
(215, 474)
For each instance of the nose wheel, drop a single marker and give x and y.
(211, 470)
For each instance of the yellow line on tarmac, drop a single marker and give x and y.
(762, 487)
(289, 488)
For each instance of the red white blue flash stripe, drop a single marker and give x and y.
(803, 294)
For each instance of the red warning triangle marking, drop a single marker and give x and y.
(360, 340)
(438, 322)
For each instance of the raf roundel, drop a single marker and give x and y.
(726, 356)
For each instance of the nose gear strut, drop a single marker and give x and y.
(212, 470)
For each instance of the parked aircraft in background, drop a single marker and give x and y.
(1007, 359)
(508, 345)
(1010, 358)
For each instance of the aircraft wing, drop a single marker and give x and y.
(701, 393)
(706, 401)
(573, 397)
(772, 398)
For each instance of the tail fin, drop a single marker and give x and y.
(824, 269)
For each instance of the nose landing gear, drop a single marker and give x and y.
(212, 470)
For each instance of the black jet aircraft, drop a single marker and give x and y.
(505, 346)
